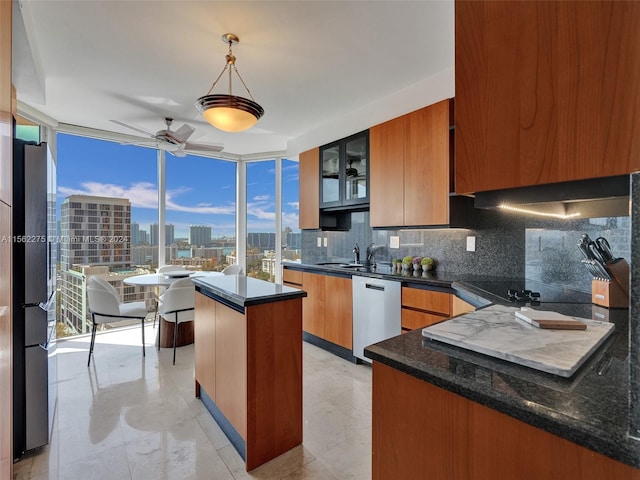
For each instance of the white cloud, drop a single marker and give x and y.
(145, 195)
(295, 205)
(261, 198)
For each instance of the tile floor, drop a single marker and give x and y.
(135, 418)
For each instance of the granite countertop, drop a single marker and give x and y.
(591, 408)
(243, 291)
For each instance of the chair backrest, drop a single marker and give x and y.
(179, 299)
(101, 283)
(102, 301)
(234, 269)
(182, 283)
(169, 268)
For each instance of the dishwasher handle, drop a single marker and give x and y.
(374, 287)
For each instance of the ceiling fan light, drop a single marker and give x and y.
(229, 113)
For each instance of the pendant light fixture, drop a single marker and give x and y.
(229, 112)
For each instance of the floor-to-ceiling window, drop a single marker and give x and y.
(109, 222)
(107, 201)
(200, 204)
(261, 225)
(291, 247)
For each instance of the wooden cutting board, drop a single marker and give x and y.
(551, 320)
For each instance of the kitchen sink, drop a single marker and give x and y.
(350, 265)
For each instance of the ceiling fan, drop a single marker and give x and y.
(174, 142)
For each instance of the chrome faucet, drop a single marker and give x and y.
(356, 251)
(372, 249)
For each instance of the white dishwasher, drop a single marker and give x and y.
(376, 312)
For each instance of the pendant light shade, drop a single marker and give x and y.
(228, 112)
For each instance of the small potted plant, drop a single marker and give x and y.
(427, 263)
(416, 263)
(406, 262)
(396, 265)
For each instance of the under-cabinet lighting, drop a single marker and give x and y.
(562, 216)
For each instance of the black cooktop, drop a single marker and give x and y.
(520, 291)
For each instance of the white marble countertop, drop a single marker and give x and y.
(496, 331)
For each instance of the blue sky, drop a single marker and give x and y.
(200, 191)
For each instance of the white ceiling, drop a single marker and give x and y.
(321, 69)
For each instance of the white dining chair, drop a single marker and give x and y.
(177, 305)
(234, 269)
(169, 268)
(106, 306)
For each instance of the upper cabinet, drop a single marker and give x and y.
(344, 172)
(309, 189)
(410, 169)
(545, 92)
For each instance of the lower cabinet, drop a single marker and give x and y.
(439, 435)
(421, 308)
(327, 309)
(249, 365)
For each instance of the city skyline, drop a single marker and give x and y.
(199, 190)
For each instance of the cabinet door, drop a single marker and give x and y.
(231, 366)
(429, 300)
(412, 319)
(545, 92)
(204, 330)
(356, 167)
(386, 198)
(331, 175)
(426, 166)
(309, 189)
(313, 304)
(338, 315)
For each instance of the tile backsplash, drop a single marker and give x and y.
(506, 245)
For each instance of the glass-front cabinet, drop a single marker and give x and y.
(345, 172)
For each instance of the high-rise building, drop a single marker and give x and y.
(199, 235)
(168, 234)
(135, 233)
(262, 241)
(96, 231)
(143, 237)
(95, 240)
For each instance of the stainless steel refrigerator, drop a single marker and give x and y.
(34, 287)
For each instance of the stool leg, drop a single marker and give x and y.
(143, 352)
(93, 338)
(175, 338)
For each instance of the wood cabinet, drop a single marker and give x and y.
(292, 278)
(309, 185)
(338, 308)
(410, 169)
(327, 309)
(313, 304)
(249, 364)
(457, 438)
(421, 308)
(545, 92)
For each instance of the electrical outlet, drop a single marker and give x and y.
(471, 244)
(326, 241)
(394, 242)
(319, 241)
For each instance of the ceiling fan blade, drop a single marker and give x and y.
(202, 147)
(183, 133)
(133, 128)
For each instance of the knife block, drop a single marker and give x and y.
(608, 294)
(619, 271)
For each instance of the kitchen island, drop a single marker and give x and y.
(452, 413)
(248, 362)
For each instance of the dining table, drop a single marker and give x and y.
(164, 280)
